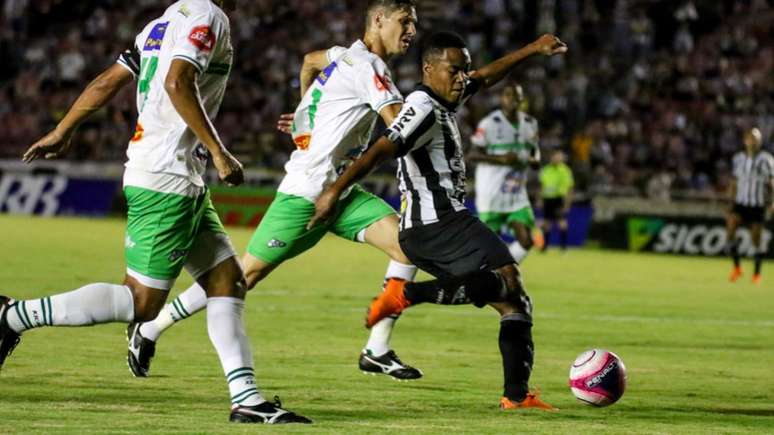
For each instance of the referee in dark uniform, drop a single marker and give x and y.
(751, 190)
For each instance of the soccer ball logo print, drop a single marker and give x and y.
(598, 377)
(202, 38)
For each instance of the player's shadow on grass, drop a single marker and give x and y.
(766, 412)
(752, 412)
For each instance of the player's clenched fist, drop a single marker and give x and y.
(549, 45)
(229, 169)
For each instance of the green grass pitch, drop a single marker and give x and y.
(699, 351)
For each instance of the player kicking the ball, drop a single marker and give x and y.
(182, 61)
(437, 233)
(344, 91)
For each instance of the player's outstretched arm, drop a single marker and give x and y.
(383, 149)
(96, 94)
(508, 159)
(547, 45)
(183, 91)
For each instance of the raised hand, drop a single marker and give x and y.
(549, 45)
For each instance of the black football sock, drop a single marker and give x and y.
(563, 239)
(517, 350)
(477, 288)
(735, 255)
(758, 262)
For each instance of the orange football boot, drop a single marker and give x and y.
(531, 401)
(757, 279)
(391, 301)
(735, 274)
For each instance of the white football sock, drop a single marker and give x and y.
(88, 305)
(406, 272)
(186, 304)
(517, 251)
(379, 340)
(227, 333)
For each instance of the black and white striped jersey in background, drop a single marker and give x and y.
(753, 177)
(130, 59)
(431, 167)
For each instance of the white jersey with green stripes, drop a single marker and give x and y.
(334, 121)
(503, 188)
(164, 154)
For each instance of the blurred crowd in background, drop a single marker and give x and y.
(650, 100)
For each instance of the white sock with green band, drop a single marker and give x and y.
(191, 301)
(227, 333)
(88, 305)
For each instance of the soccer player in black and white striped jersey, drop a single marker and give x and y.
(437, 233)
(751, 190)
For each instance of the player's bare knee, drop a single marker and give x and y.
(148, 301)
(229, 282)
(146, 307)
(240, 288)
(255, 270)
(511, 277)
(504, 308)
(254, 275)
(516, 299)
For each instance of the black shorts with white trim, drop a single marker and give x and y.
(458, 244)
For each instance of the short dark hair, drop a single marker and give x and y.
(438, 42)
(388, 5)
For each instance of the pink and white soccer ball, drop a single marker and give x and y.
(598, 377)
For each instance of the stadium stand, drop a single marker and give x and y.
(656, 110)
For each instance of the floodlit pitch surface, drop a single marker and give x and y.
(698, 350)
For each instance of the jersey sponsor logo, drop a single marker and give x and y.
(302, 141)
(202, 38)
(513, 182)
(382, 82)
(404, 119)
(325, 74)
(138, 133)
(155, 37)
